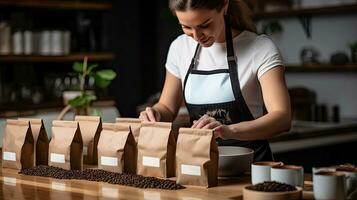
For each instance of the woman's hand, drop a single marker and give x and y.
(150, 115)
(207, 122)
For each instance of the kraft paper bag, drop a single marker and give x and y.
(156, 150)
(66, 146)
(196, 157)
(18, 145)
(116, 149)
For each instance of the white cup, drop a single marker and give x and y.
(289, 174)
(351, 183)
(261, 171)
(45, 43)
(28, 42)
(5, 38)
(333, 185)
(17, 43)
(323, 169)
(56, 43)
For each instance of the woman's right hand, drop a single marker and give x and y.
(150, 115)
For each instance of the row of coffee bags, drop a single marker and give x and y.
(73, 142)
(147, 148)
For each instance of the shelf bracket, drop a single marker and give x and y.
(305, 20)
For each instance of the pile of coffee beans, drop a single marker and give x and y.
(102, 176)
(346, 167)
(271, 186)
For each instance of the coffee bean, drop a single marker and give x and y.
(272, 186)
(102, 176)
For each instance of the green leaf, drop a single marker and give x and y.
(91, 67)
(102, 83)
(77, 102)
(78, 67)
(89, 97)
(106, 74)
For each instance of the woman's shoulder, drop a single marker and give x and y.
(183, 46)
(264, 41)
(254, 39)
(183, 41)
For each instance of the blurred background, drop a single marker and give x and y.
(41, 39)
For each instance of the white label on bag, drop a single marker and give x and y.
(10, 156)
(193, 170)
(57, 158)
(9, 181)
(109, 161)
(85, 150)
(151, 161)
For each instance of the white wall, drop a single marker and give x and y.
(329, 34)
(331, 89)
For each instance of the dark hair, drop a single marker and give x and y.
(240, 14)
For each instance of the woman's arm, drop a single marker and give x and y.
(277, 120)
(277, 102)
(169, 104)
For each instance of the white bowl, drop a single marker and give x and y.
(234, 161)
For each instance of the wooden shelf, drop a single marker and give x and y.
(322, 68)
(351, 8)
(56, 4)
(67, 58)
(7, 111)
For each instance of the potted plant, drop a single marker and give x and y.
(82, 100)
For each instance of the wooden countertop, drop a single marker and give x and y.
(15, 186)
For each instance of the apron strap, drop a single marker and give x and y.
(233, 72)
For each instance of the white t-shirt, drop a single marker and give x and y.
(255, 54)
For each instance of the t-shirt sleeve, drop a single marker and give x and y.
(267, 55)
(172, 61)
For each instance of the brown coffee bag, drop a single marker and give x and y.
(90, 127)
(116, 149)
(66, 146)
(41, 141)
(156, 150)
(196, 157)
(134, 124)
(18, 145)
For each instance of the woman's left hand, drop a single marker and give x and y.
(207, 122)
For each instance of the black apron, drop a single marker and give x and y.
(230, 112)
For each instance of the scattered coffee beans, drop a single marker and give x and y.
(102, 176)
(271, 186)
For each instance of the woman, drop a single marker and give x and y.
(227, 74)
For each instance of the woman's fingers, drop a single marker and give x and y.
(195, 123)
(143, 116)
(150, 114)
(212, 125)
(204, 121)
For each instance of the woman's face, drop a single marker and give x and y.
(206, 26)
